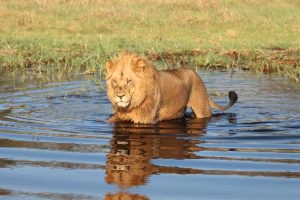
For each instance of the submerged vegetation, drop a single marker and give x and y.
(71, 36)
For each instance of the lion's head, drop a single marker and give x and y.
(128, 78)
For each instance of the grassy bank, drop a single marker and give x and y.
(262, 36)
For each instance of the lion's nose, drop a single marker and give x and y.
(120, 96)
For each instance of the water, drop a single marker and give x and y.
(55, 144)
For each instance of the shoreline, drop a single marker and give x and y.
(279, 61)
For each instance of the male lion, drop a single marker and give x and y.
(141, 94)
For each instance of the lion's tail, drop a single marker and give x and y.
(233, 97)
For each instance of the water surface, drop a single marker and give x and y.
(55, 144)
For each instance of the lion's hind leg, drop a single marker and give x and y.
(199, 100)
(199, 106)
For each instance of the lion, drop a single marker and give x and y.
(140, 93)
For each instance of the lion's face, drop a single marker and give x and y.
(125, 85)
(122, 87)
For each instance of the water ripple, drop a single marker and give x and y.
(55, 144)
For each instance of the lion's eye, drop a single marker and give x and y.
(114, 82)
(129, 81)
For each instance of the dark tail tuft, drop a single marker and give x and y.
(233, 97)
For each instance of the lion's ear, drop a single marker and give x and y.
(109, 68)
(140, 65)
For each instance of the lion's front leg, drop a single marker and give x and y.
(145, 118)
(113, 119)
(145, 121)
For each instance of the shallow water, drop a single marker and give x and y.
(55, 144)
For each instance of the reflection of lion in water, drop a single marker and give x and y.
(125, 196)
(133, 146)
(142, 94)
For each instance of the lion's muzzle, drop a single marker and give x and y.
(122, 101)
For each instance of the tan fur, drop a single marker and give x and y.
(149, 95)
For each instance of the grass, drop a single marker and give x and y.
(71, 36)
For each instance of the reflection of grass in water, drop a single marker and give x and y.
(82, 35)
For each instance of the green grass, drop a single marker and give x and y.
(262, 36)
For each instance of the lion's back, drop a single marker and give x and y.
(177, 77)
